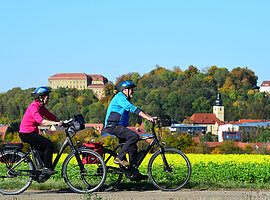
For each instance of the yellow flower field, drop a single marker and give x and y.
(219, 167)
(206, 158)
(222, 158)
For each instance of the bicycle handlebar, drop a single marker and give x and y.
(76, 123)
(67, 123)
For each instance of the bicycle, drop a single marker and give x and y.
(19, 169)
(169, 169)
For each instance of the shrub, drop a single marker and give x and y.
(229, 147)
(262, 151)
(248, 149)
(199, 148)
(216, 151)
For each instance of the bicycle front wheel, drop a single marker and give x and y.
(88, 179)
(14, 172)
(169, 171)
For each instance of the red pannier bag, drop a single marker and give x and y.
(95, 146)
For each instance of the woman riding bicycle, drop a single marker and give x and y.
(116, 123)
(33, 117)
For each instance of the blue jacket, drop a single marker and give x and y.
(118, 111)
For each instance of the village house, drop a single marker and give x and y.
(209, 120)
(265, 86)
(234, 130)
(193, 130)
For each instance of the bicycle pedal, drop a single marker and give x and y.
(43, 178)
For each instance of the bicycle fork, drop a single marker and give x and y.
(166, 167)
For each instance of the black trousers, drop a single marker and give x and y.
(129, 137)
(42, 144)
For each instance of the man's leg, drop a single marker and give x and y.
(130, 137)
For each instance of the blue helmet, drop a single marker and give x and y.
(40, 91)
(126, 85)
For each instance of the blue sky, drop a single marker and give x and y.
(41, 38)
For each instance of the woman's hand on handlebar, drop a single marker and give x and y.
(65, 123)
(60, 123)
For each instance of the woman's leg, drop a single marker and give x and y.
(40, 143)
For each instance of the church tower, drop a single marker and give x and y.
(218, 108)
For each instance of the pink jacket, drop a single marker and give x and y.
(33, 117)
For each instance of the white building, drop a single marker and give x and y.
(265, 86)
(234, 131)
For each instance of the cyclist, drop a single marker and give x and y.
(116, 123)
(32, 118)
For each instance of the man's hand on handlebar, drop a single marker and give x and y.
(148, 117)
(153, 119)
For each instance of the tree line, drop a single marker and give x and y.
(161, 91)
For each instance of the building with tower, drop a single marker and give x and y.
(218, 108)
(209, 119)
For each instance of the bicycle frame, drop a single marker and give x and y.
(67, 142)
(154, 142)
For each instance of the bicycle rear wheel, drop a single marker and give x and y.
(91, 178)
(114, 176)
(175, 175)
(15, 174)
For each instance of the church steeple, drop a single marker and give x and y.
(218, 108)
(218, 101)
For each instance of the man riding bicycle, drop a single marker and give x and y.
(116, 123)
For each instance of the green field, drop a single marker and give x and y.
(208, 171)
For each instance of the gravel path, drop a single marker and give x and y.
(144, 195)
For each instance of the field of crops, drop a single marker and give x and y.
(237, 168)
(208, 171)
(221, 168)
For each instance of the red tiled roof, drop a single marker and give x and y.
(252, 120)
(204, 118)
(196, 139)
(213, 144)
(239, 144)
(68, 76)
(240, 121)
(228, 122)
(97, 77)
(3, 130)
(97, 126)
(265, 84)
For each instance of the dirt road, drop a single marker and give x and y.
(143, 195)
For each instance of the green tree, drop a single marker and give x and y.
(263, 135)
(229, 147)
